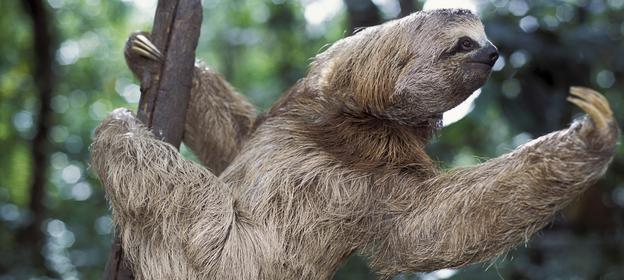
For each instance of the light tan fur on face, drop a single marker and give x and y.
(474, 30)
(329, 171)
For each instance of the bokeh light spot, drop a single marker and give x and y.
(519, 58)
(56, 4)
(9, 212)
(500, 63)
(23, 121)
(81, 191)
(551, 22)
(511, 88)
(55, 228)
(60, 104)
(615, 4)
(77, 99)
(564, 13)
(521, 138)
(59, 133)
(68, 53)
(73, 144)
(318, 12)
(518, 7)
(618, 195)
(59, 160)
(71, 174)
(104, 225)
(390, 8)
(98, 110)
(605, 79)
(529, 24)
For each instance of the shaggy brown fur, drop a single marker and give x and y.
(218, 119)
(338, 165)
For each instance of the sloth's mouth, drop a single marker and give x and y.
(480, 66)
(489, 64)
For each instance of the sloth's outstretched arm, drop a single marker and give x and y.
(171, 213)
(473, 214)
(218, 119)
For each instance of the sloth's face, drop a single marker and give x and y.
(409, 69)
(449, 63)
(469, 59)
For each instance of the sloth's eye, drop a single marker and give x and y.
(464, 45)
(467, 44)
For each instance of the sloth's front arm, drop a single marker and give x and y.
(472, 214)
(218, 119)
(168, 210)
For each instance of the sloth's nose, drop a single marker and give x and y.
(486, 55)
(492, 53)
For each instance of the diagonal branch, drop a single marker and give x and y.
(165, 93)
(165, 97)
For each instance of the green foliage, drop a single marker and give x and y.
(263, 47)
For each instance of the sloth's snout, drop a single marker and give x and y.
(486, 55)
(492, 54)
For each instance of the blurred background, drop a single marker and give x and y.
(62, 71)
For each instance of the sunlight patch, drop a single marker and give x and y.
(451, 116)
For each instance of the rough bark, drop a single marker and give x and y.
(165, 93)
(175, 33)
(43, 46)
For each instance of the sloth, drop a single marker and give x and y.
(338, 165)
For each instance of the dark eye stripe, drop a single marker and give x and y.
(463, 41)
(458, 48)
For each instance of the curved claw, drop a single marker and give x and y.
(594, 104)
(143, 46)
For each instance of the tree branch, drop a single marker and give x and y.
(165, 95)
(165, 98)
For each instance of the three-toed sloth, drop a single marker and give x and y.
(338, 165)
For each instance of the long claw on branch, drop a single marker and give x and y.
(144, 47)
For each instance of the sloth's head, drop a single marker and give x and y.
(419, 66)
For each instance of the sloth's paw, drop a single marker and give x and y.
(123, 115)
(120, 121)
(139, 44)
(594, 104)
(601, 126)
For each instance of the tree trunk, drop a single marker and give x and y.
(165, 95)
(44, 45)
